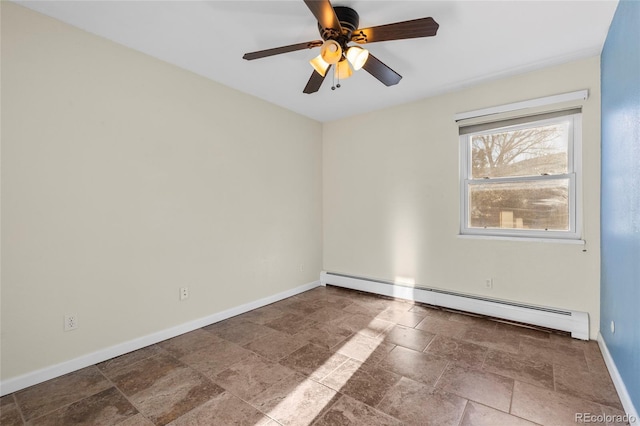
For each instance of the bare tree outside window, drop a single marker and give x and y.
(503, 191)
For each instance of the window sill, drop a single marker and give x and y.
(523, 239)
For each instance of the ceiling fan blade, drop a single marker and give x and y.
(314, 83)
(326, 16)
(379, 70)
(284, 49)
(423, 27)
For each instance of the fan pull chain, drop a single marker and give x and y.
(334, 85)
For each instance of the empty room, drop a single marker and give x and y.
(313, 212)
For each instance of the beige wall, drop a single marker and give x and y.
(125, 178)
(391, 199)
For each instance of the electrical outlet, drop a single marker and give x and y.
(184, 293)
(302, 267)
(488, 283)
(70, 322)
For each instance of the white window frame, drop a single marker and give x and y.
(574, 175)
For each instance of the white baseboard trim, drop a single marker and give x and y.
(575, 322)
(625, 398)
(29, 379)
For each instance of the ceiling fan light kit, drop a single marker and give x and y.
(343, 70)
(338, 26)
(320, 65)
(331, 52)
(357, 56)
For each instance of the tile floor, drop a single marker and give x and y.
(334, 357)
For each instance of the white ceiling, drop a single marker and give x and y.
(477, 41)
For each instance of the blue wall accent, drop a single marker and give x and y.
(620, 208)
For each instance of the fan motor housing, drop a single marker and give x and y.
(349, 21)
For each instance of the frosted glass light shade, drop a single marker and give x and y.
(357, 56)
(343, 70)
(331, 52)
(319, 65)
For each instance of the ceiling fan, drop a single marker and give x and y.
(338, 27)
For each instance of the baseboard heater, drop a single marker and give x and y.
(575, 322)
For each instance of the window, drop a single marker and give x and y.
(519, 177)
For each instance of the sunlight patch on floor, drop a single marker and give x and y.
(297, 394)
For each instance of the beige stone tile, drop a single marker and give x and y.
(471, 319)
(276, 345)
(111, 367)
(379, 301)
(173, 394)
(401, 317)
(362, 382)
(569, 356)
(519, 331)
(215, 358)
(398, 304)
(225, 324)
(224, 409)
(432, 311)
(357, 308)
(295, 401)
(189, 342)
(374, 305)
(365, 325)
(250, 376)
(163, 388)
(314, 361)
(425, 368)
(338, 302)
(332, 299)
(137, 420)
(142, 374)
(443, 327)
(365, 349)
(480, 386)
(108, 407)
(409, 337)
(491, 338)
(458, 351)
(480, 415)
(243, 332)
(51, 395)
(291, 323)
(595, 360)
(418, 404)
(587, 385)
(527, 370)
(298, 306)
(323, 334)
(565, 339)
(327, 314)
(348, 411)
(263, 315)
(547, 407)
(9, 412)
